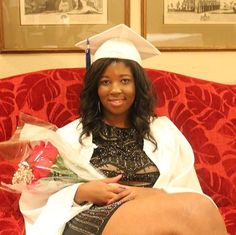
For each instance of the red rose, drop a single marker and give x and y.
(41, 159)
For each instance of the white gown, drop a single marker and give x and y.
(48, 214)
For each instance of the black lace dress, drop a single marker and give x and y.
(119, 151)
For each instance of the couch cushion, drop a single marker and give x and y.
(229, 215)
(11, 220)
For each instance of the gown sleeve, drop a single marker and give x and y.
(47, 213)
(174, 158)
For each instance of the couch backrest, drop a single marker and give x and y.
(51, 95)
(204, 111)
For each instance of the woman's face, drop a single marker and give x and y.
(116, 90)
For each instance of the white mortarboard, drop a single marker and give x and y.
(121, 42)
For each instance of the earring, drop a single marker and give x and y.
(99, 107)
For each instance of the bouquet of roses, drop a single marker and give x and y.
(47, 163)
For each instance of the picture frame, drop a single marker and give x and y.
(170, 28)
(34, 34)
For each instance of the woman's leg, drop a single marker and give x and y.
(179, 213)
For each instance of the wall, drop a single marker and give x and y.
(213, 66)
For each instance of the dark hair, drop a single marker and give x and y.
(141, 111)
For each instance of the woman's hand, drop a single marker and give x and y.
(99, 192)
(131, 193)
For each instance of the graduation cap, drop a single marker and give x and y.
(119, 41)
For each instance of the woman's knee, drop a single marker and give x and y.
(189, 213)
(200, 213)
(179, 213)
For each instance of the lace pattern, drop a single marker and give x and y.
(119, 151)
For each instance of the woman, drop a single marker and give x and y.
(151, 186)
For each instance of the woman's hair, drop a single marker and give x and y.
(141, 111)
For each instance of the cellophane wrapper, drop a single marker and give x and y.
(46, 162)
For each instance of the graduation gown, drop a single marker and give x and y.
(47, 214)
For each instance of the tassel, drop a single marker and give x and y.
(88, 56)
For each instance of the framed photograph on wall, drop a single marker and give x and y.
(189, 25)
(56, 25)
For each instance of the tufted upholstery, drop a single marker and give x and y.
(204, 111)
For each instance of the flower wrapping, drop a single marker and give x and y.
(46, 163)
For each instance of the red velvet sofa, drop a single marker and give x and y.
(204, 111)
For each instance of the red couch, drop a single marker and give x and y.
(204, 111)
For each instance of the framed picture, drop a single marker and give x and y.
(56, 25)
(182, 25)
